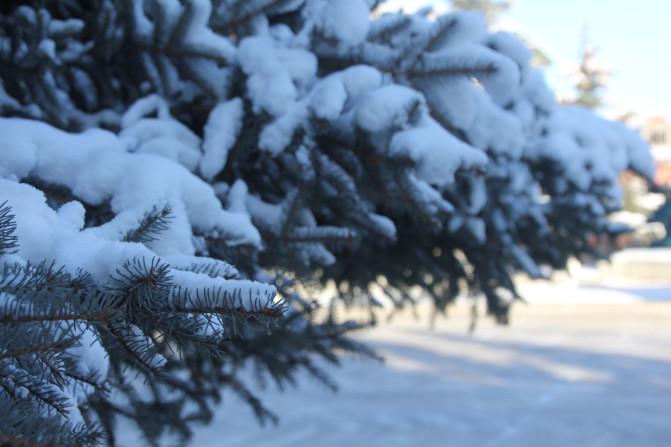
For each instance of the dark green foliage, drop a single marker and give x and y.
(8, 239)
(337, 207)
(41, 430)
(142, 318)
(152, 225)
(344, 184)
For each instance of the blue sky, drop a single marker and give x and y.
(633, 38)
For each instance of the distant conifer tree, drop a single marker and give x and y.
(591, 77)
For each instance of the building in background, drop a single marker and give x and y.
(643, 202)
(657, 131)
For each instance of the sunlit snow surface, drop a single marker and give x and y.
(593, 371)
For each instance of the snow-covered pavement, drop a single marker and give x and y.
(597, 373)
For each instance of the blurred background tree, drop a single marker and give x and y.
(591, 76)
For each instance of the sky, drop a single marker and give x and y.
(633, 38)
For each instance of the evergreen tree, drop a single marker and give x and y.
(178, 176)
(590, 78)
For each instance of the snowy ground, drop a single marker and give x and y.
(593, 371)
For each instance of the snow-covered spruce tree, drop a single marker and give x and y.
(168, 165)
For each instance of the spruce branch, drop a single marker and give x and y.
(46, 396)
(219, 269)
(439, 34)
(140, 283)
(240, 12)
(8, 238)
(290, 210)
(321, 234)
(60, 345)
(154, 222)
(384, 28)
(139, 348)
(432, 66)
(13, 441)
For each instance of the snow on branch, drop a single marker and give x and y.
(168, 167)
(96, 167)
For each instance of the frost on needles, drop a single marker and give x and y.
(177, 176)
